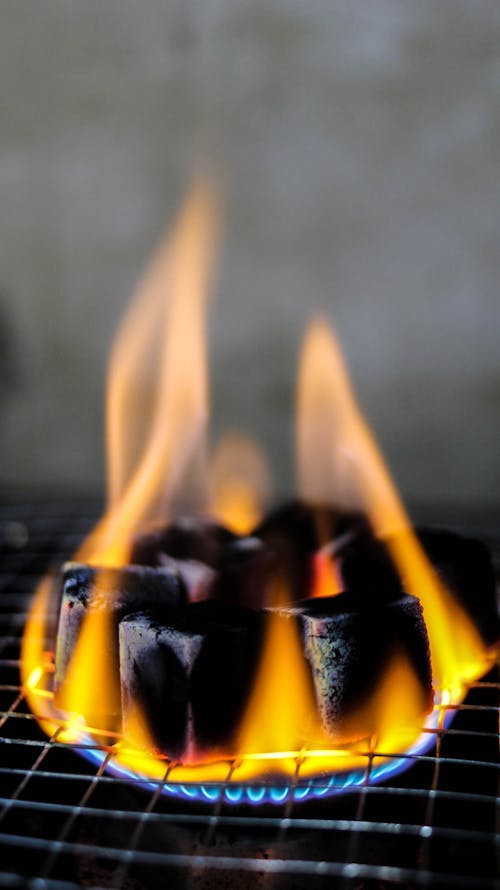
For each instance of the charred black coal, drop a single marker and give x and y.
(117, 592)
(348, 641)
(295, 531)
(187, 537)
(463, 564)
(190, 675)
(238, 569)
(465, 567)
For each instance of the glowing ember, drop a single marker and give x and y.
(290, 740)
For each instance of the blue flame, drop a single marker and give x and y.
(258, 793)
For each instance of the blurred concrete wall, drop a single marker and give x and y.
(360, 147)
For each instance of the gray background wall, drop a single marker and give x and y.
(360, 146)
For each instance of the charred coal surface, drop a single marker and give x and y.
(366, 567)
(189, 674)
(237, 569)
(349, 640)
(465, 567)
(113, 592)
(187, 537)
(462, 563)
(295, 531)
(155, 677)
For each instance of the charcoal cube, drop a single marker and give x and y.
(245, 571)
(294, 532)
(236, 568)
(464, 565)
(197, 578)
(113, 591)
(366, 566)
(348, 643)
(190, 675)
(187, 537)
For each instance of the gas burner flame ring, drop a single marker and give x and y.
(261, 793)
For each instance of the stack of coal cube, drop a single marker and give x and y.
(188, 618)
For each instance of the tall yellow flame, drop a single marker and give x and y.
(352, 470)
(166, 322)
(282, 713)
(240, 482)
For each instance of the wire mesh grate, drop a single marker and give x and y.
(65, 822)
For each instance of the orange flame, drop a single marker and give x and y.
(315, 431)
(357, 477)
(282, 711)
(326, 576)
(166, 323)
(240, 482)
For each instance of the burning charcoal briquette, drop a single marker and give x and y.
(365, 565)
(463, 564)
(113, 591)
(187, 537)
(245, 569)
(190, 675)
(348, 643)
(465, 567)
(212, 561)
(197, 578)
(241, 576)
(295, 531)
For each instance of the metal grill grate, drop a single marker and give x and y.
(65, 823)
